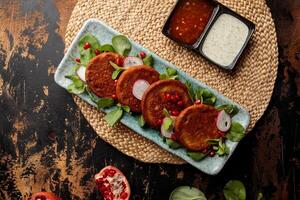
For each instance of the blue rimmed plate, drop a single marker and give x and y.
(209, 165)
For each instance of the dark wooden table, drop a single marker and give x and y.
(46, 144)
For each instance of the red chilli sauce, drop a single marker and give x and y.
(189, 20)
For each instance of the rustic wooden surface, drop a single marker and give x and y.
(46, 144)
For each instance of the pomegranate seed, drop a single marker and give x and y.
(123, 195)
(123, 185)
(180, 103)
(99, 181)
(159, 122)
(116, 80)
(120, 61)
(167, 96)
(173, 98)
(77, 60)
(87, 46)
(212, 153)
(175, 112)
(142, 54)
(177, 97)
(204, 151)
(111, 172)
(197, 101)
(102, 188)
(97, 52)
(114, 96)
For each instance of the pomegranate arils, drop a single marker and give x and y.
(111, 172)
(180, 103)
(114, 96)
(212, 153)
(177, 97)
(120, 61)
(99, 180)
(142, 54)
(77, 60)
(97, 52)
(124, 195)
(87, 45)
(173, 98)
(175, 112)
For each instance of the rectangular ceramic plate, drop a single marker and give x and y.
(209, 165)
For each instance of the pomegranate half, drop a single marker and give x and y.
(44, 196)
(112, 184)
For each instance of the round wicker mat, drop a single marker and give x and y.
(250, 85)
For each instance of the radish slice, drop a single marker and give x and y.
(139, 88)
(81, 72)
(131, 61)
(167, 133)
(223, 121)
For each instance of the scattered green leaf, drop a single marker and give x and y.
(234, 190)
(170, 74)
(75, 90)
(205, 96)
(260, 196)
(77, 86)
(105, 102)
(116, 73)
(172, 144)
(167, 123)
(236, 132)
(190, 89)
(141, 121)
(229, 109)
(121, 45)
(223, 149)
(87, 54)
(114, 116)
(166, 112)
(115, 66)
(148, 60)
(197, 156)
(126, 109)
(187, 193)
(107, 48)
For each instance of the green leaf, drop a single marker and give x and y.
(213, 141)
(116, 73)
(88, 38)
(222, 148)
(107, 48)
(205, 96)
(234, 190)
(92, 96)
(126, 108)
(171, 71)
(141, 121)
(166, 112)
(105, 102)
(114, 116)
(121, 45)
(197, 156)
(260, 196)
(87, 54)
(172, 144)
(236, 132)
(78, 82)
(190, 89)
(229, 109)
(187, 193)
(148, 60)
(115, 66)
(73, 89)
(163, 76)
(167, 123)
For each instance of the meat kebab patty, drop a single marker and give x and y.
(169, 94)
(98, 74)
(128, 79)
(195, 125)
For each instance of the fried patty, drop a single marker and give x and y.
(98, 74)
(154, 100)
(126, 81)
(195, 125)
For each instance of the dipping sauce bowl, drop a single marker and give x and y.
(210, 29)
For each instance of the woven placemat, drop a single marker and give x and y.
(250, 85)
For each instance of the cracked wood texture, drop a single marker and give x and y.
(46, 144)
